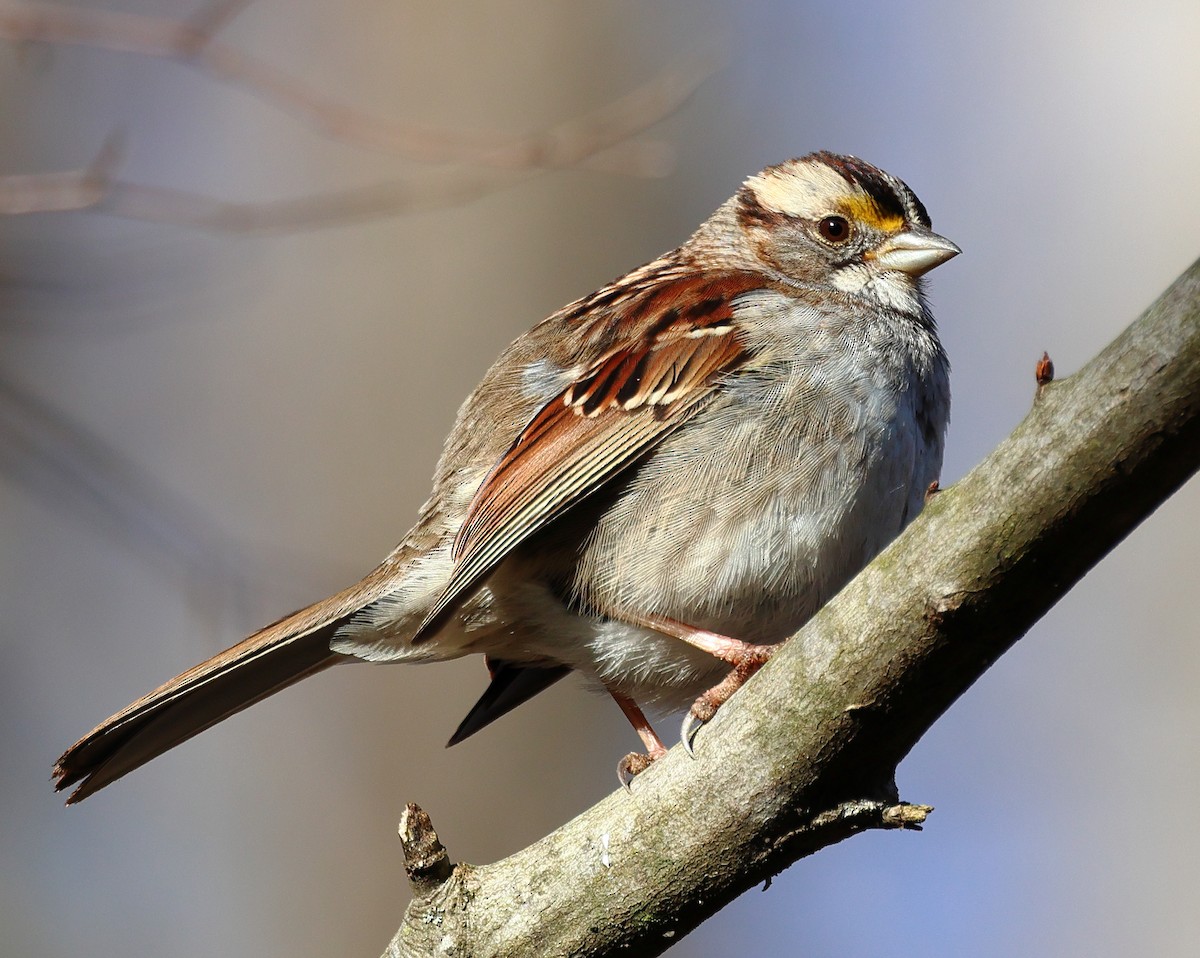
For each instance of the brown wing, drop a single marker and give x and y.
(679, 339)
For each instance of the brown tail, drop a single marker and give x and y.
(283, 653)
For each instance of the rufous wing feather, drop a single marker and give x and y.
(615, 411)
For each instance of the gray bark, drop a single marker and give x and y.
(805, 755)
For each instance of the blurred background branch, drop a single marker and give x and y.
(602, 139)
(61, 459)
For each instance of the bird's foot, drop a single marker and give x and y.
(635, 763)
(746, 660)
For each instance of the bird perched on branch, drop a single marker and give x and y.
(653, 487)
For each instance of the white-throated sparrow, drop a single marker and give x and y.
(653, 486)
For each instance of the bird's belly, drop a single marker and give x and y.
(760, 535)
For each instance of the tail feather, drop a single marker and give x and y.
(196, 700)
(273, 658)
(511, 685)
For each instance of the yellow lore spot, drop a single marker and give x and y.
(863, 209)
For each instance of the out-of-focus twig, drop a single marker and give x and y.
(598, 140)
(62, 461)
(483, 162)
(68, 465)
(59, 192)
(94, 188)
(212, 18)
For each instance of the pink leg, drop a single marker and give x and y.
(633, 763)
(745, 658)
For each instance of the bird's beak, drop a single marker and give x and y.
(915, 251)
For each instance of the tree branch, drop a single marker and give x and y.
(805, 755)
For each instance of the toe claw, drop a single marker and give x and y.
(692, 724)
(631, 766)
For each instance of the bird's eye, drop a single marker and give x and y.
(834, 229)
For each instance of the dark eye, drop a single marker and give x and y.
(834, 229)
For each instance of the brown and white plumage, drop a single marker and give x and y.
(694, 457)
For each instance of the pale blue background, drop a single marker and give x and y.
(267, 412)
